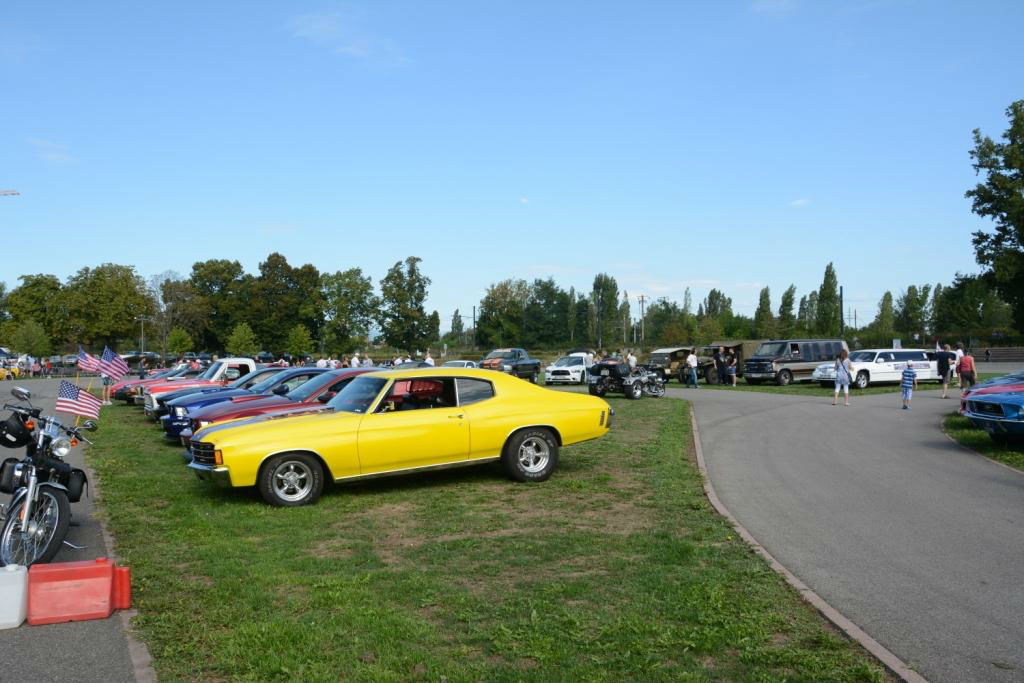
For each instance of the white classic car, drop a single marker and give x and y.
(874, 366)
(571, 369)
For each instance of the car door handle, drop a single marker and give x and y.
(456, 417)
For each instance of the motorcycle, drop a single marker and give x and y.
(617, 377)
(42, 486)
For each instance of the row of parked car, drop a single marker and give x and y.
(288, 430)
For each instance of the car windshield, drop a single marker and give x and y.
(565, 361)
(501, 354)
(771, 349)
(265, 386)
(211, 371)
(359, 395)
(862, 356)
(245, 381)
(308, 388)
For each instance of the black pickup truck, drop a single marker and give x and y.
(513, 361)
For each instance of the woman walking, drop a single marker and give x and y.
(844, 373)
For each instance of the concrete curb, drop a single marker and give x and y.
(889, 660)
(142, 661)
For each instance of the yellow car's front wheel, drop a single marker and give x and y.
(291, 479)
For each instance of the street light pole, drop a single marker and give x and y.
(643, 316)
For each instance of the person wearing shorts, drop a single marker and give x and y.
(843, 375)
(106, 390)
(908, 382)
(966, 370)
(945, 360)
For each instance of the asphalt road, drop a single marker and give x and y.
(918, 541)
(81, 651)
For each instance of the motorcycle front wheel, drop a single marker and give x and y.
(39, 539)
(656, 390)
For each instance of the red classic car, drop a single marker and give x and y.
(307, 398)
(127, 389)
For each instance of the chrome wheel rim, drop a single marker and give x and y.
(24, 547)
(292, 480)
(534, 454)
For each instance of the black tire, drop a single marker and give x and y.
(681, 377)
(711, 375)
(597, 390)
(11, 550)
(783, 378)
(634, 391)
(750, 380)
(533, 378)
(291, 480)
(530, 454)
(583, 378)
(1000, 439)
(862, 380)
(826, 385)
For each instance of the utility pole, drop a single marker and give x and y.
(142, 321)
(599, 297)
(643, 319)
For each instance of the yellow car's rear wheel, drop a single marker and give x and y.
(531, 454)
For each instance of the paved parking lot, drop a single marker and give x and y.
(82, 651)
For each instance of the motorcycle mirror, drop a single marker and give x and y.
(21, 393)
(90, 426)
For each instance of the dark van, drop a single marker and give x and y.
(789, 360)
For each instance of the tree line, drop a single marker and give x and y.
(299, 309)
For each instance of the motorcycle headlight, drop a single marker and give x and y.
(61, 447)
(180, 411)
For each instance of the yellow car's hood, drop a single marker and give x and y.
(268, 431)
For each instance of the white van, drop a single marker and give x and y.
(875, 366)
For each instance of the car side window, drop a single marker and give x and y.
(474, 390)
(232, 374)
(419, 394)
(296, 381)
(794, 350)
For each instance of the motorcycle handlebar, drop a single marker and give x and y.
(27, 412)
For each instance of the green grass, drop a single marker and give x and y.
(815, 389)
(961, 429)
(615, 569)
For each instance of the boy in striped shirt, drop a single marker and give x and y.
(908, 383)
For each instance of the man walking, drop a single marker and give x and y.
(944, 360)
(691, 371)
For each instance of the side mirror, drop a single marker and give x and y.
(90, 426)
(21, 393)
(879, 360)
(327, 396)
(281, 390)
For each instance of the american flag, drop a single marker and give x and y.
(112, 365)
(72, 399)
(87, 362)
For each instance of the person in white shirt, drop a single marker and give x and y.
(322, 363)
(691, 373)
(631, 359)
(429, 360)
(367, 363)
(354, 363)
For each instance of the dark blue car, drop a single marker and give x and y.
(242, 385)
(1001, 415)
(278, 381)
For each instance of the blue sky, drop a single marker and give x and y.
(670, 144)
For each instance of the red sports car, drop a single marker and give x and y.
(125, 390)
(307, 398)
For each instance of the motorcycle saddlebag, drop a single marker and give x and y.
(77, 481)
(13, 432)
(8, 483)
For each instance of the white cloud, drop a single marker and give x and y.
(51, 151)
(800, 203)
(341, 33)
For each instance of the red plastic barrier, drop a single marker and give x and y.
(77, 591)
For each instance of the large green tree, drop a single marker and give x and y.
(299, 342)
(282, 296)
(604, 296)
(179, 341)
(546, 310)
(828, 316)
(501, 314)
(38, 298)
(968, 307)
(764, 321)
(225, 291)
(349, 308)
(241, 341)
(402, 320)
(102, 305)
(912, 310)
(787, 318)
(30, 337)
(885, 322)
(1000, 197)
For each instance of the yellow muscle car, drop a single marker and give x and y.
(395, 422)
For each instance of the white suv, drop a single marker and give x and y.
(874, 366)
